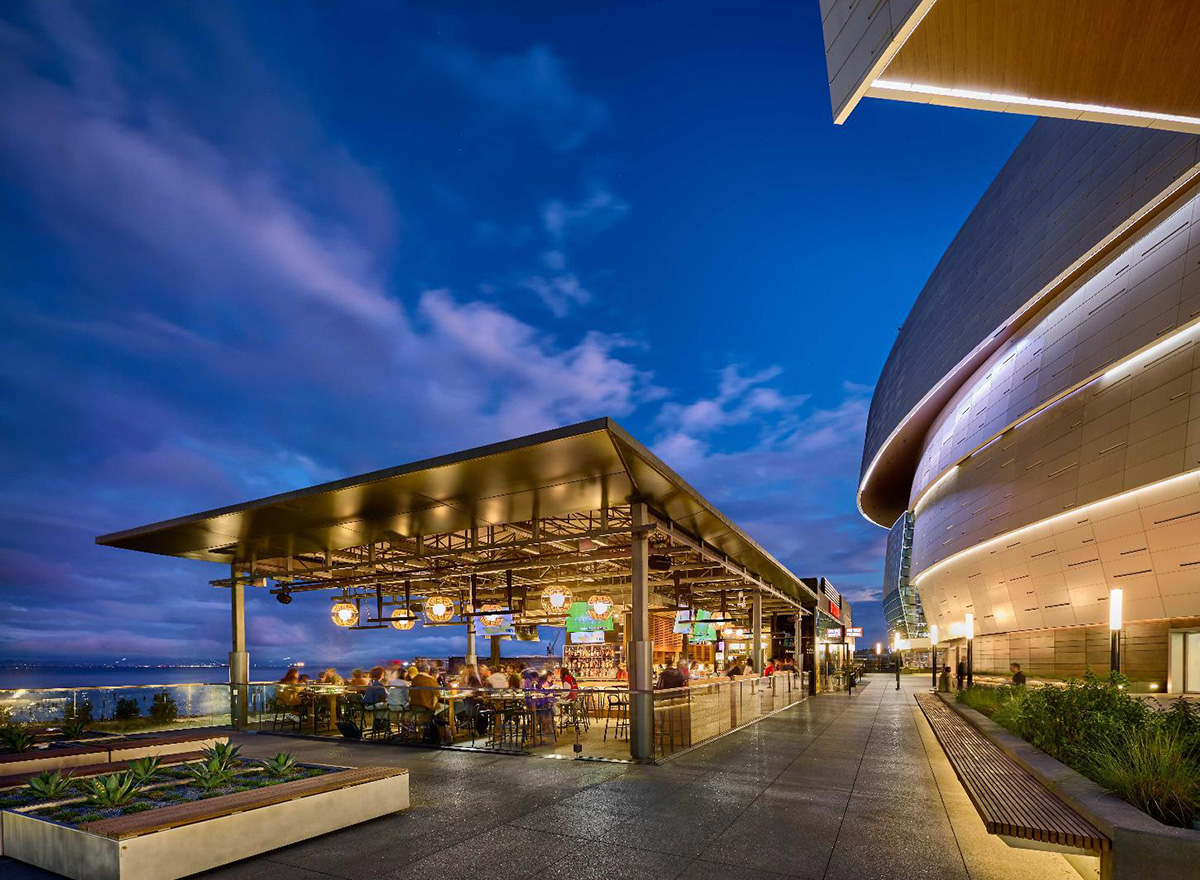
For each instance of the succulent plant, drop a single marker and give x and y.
(50, 785)
(143, 769)
(224, 754)
(282, 764)
(74, 728)
(113, 790)
(208, 774)
(16, 738)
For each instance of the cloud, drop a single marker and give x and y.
(532, 89)
(596, 213)
(788, 481)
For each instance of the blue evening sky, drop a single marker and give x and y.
(246, 247)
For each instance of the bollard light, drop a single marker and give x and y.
(933, 640)
(1116, 600)
(970, 627)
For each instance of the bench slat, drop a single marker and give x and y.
(1009, 800)
(162, 818)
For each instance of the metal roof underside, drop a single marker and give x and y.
(554, 473)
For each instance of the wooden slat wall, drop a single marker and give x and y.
(1070, 651)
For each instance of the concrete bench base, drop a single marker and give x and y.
(188, 849)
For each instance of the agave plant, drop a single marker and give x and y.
(113, 790)
(208, 774)
(282, 764)
(224, 754)
(16, 738)
(74, 728)
(50, 785)
(143, 769)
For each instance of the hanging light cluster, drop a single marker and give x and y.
(345, 613)
(556, 600)
(600, 606)
(403, 618)
(492, 618)
(439, 609)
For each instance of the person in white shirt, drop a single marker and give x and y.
(497, 680)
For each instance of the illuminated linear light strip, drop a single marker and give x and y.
(1130, 361)
(1181, 182)
(885, 58)
(915, 580)
(1034, 103)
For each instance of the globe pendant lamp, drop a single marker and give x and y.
(403, 619)
(600, 606)
(556, 600)
(345, 614)
(439, 609)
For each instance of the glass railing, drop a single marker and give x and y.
(118, 709)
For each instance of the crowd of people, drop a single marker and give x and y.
(679, 672)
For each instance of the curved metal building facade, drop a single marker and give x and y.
(1039, 413)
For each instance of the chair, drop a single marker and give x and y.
(618, 710)
(283, 712)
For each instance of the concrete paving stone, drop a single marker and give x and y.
(614, 863)
(704, 869)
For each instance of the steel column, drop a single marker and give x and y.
(756, 655)
(641, 649)
(239, 659)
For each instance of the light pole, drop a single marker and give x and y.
(1115, 601)
(933, 639)
(878, 654)
(970, 650)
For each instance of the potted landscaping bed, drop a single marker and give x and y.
(159, 822)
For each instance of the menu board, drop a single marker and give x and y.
(580, 620)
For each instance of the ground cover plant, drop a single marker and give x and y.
(1145, 755)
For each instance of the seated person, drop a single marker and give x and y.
(669, 678)
(468, 678)
(423, 692)
(376, 690)
(358, 678)
(498, 680)
(397, 695)
(329, 676)
(569, 682)
(944, 680)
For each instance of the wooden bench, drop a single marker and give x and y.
(16, 779)
(1009, 800)
(176, 815)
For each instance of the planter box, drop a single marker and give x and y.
(1141, 845)
(188, 847)
(109, 751)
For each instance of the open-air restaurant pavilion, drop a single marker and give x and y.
(677, 627)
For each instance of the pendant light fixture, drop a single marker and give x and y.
(439, 609)
(556, 600)
(345, 613)
(403, 618)
(600, 606)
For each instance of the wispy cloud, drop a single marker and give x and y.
(532, 88)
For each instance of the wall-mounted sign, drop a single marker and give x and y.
(854, 632)
(487, 625)
(578, 619)
(833, 633)
(588, 638)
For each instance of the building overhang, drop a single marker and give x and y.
(1099, 61)
(588, 467)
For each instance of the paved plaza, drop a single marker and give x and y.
(834, 787)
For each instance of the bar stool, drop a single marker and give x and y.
(620, 706)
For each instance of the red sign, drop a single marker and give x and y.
(834, 610)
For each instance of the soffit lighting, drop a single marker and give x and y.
(344, 614)
(556, 600)
(1033, 103)
(403, 618)
(439, 609)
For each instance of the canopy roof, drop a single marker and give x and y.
(589, 466)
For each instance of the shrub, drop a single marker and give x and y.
(209, 774)
(113, 790)
(50, 785)
(143, 769)
(1148, 767)
(282, 764)
(126, 708)
(164, 709)
(16, 738)
(224, 754)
